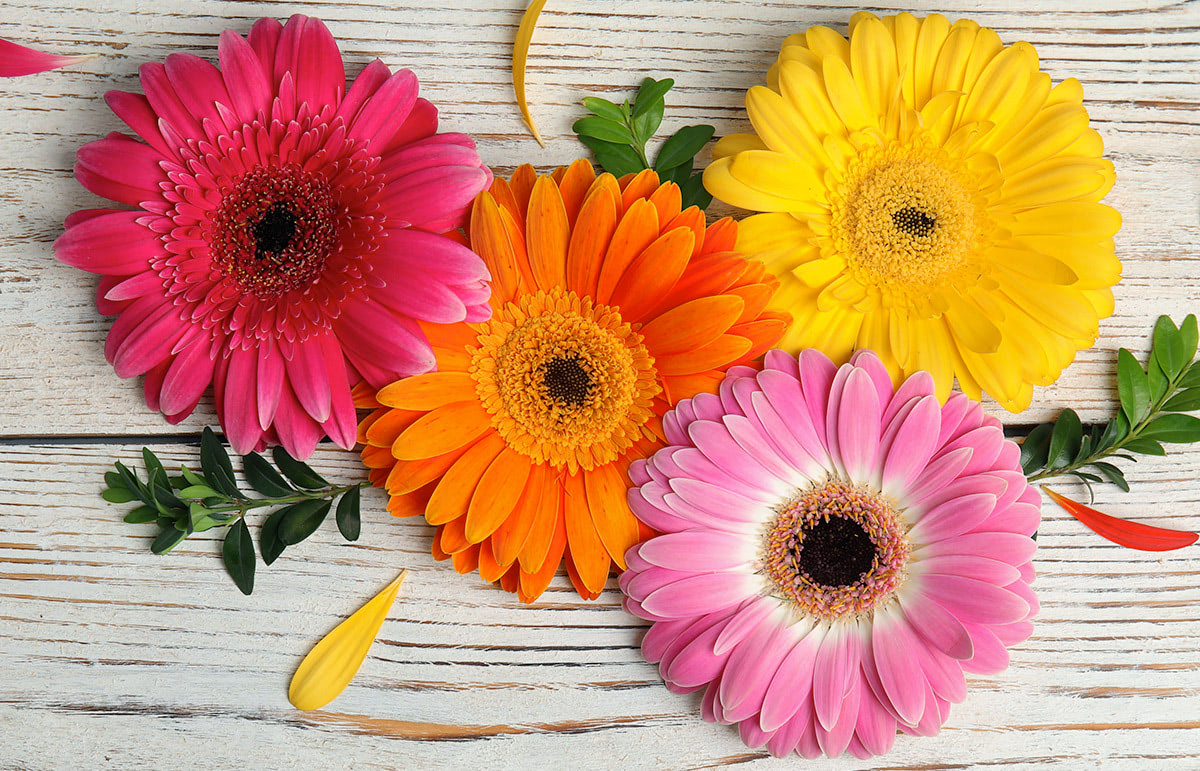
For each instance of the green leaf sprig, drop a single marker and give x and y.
(617, 135)
(193, 502)
(1153, 399)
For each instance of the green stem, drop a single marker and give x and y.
(243, 507)
(1151, 413)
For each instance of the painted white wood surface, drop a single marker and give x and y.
(112, 657)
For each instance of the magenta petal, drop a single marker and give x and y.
(198, 84)
(699, 594)
(121, 169)
(342, 425)
(137, 113)
(17, 60)
(309, 378)
(187, 378)
(382, 346)
(421, 123)
(150, 343)
(166, 103)
(434, 199)
(270, 373)
(298, 432)
(240, 414)
(309, 52)
(248, 83)
(892, 642)
(384, 112)
(447, 260)
(112, 244)
(264, 39)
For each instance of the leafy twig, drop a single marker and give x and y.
(1152, 400)
(617, 135)
(193, 502)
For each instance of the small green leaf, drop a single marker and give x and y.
(647, 122)
(297, 471)
(1157, 380)
(1065, 440)
(1144, 446)
(141, 515)
(651, 94)
(349, 519)
(679, 175)
(617, 160)
(1189, 336)
(1169, 348)
(1112, 474)
(1176, 429)
(200, 492)
(604, 108)
(216, 464)
(118, 495)
(153, 465)
(263, 478)
(1035, 448)
(302, 520)
(206, 523)
(113, 479)
(268, 537)
(1183, 401)
(133, 484)
(1114, 431)
(168, 539)
(238, 552)
(1132, 387)
(191, 477)
(603, 128)
(682, 146)
(694, 194)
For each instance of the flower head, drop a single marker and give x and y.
(834, 554)
(609, 305)
(283, 241)
(927, 194)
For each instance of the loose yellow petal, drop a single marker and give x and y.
(520, 54)
(332, 663)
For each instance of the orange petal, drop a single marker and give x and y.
(639, 186)
(762, 333)
(721, 236)
(547, 234)
(653, 274)
(429, 391)
(412, 505)
(452, 336)
(442, 430)
(390, 424)
(591, 237)
(436, 549)
(614, 522)
(668, 201)
(756, 297)
(574, 185)
(490, 240)
(512, 533)
(679, 387)
(587, 550)
(503, 193)
(691, 325)
(409, 475)
(453, 493)
(497, 495)
(636, 230)
(453, 536)
(489, 569)
(577, 582)
(718, 353)
(521, 182)
(532, 584)
(541, 535)
(467, 560)
(511, 580)
(364, 396)
(692, 219)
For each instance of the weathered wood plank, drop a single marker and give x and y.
(99, 636)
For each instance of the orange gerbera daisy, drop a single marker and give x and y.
(609, 305)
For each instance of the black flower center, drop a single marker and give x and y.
(274, 230)
(835, 552)
(566, 381)
(914, 222)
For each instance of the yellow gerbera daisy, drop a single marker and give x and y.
(928, 195)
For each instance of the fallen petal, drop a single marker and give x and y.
(1133, 535)
(332, 663)
(16, 60)
(520, 54)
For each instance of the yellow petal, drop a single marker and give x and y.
(519, 55)
(873, 63)
(332, 663)
(930, 39)
(736, 143)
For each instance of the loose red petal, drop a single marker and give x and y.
(1133, 535)
(18, 60)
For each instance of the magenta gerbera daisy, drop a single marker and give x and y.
(834, 555)
(285, 237)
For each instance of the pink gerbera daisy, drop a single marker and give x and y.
(285, 237)
(835, 555)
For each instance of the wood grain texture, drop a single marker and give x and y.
(112, 657)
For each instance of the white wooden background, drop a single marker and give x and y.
(111, 657)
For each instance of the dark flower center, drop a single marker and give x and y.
(835, 552)
(914, 222)
(273, 230)
(566, 381)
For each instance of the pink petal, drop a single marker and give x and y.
(817, 373)
(918, 384)
(899, 670)
(17, 60)
(836, 739)
(1012, 548)
(876, 728)
(714, 441)
(248, 84)
(658, 517)
(938, 626)
(792, 686)
(858, 424)
(780, 436)
(953, 517)
(749, 671)
(945, 675)
(940, 472)
(980, 568)
(913, 446)
(433, 199)
(975, 602)
(696, 664)
(420, 123)
(754, 442)
(112, 244)
(132, 317)
(121, 169)
(987, 441)
(662, 634)
(787, 399)
(869, 362)
(717, 501)
(990, 656)
(782, 361)
(138, 285)
(694, 551)
(384, 111)
(747, 618)
(699, 594)
(836, 666)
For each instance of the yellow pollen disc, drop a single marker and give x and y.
(566, 382)
(910, 222)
